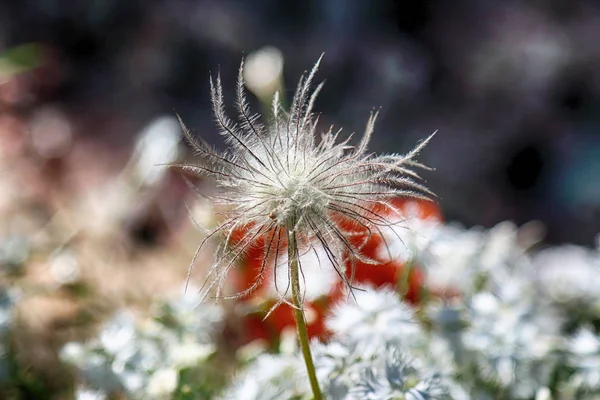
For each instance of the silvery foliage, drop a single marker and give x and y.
(271, 376)
(508, 325)
(375, 332)
(514, 324)
(143, 359)
(396, 377)
(369, 357)
(389, 373)
(499, 335)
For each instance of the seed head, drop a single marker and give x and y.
(284, 176)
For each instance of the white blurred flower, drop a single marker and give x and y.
(341, 367)
(118, 335)
(289, 340)
(501, 244)
(255, 390)
(468, 261)
(569, 274)
(143, 358)
(584, 349)
(263, 72)
(450, 258)
(318, 275)
(251, 351)
(270, 376)
(375, 318)
(512, 344)
(162, 383)
(134, 381)
(203, 214)
(87, 394)
(190, 315)
(51, 132)
(337, 364)
(396, 377)
(64, 267)
(157, 144)
(409, 236)
(73, 352)
(188, 354)
(543, 394)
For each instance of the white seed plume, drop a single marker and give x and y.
(284, 177)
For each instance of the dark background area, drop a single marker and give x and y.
(513, 87)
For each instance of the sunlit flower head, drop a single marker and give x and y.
(284, 180)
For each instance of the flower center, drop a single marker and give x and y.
(296, 200)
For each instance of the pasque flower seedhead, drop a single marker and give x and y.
(284, 176)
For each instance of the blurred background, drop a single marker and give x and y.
(89, 92)
(512, 86)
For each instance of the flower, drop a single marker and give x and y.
(321, 292)
(145, 359)
(285, 181)
(270, 376)
(82, 393)
(162, 383)
(512, 342)
(397, 378)
(376, 318)
(584, 357)
(575, 287)
(369, 356)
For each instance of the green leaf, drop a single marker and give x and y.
(20, 59)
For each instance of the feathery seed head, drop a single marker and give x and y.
(284, 177)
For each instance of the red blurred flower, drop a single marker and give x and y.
(407, 279)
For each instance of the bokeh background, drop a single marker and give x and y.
(511, 86)
(89, 92)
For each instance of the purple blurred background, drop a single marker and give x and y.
(513, 87)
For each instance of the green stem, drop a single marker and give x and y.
(299, 312)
